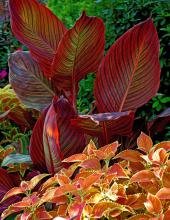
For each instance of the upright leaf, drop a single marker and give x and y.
(56, 137)
(130, 73)
(28, 81)
(80, 52)
(38, 28)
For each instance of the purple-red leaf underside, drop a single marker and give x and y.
(35, 26)
(130, 72)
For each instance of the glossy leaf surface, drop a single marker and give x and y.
(130, 72)
(35, 26)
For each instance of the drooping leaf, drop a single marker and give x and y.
(16, 159)
(35, 26)
(28, 81)
(144, 142)
(130, 72)
(80, 52)
(108, 124)
(76, 158)
(35, 180)
(60, 138)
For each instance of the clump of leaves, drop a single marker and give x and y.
(46, 78)
(132, 184)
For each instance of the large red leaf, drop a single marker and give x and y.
(36, 147)
(79, 52)
(130, 73)
(38, 28)
(28, 81)
(60, 138)
(106, 124)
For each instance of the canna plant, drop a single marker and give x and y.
(136, 186)
(46, 78)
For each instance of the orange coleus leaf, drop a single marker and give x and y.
(75, 210)
(62, 210)
(160, 156)
(153, 204)
(153, 186)
(117, 170)
(143, 176)
(164, 144)
(130, 155)
(166, 177)
(76, 158)
(41, 213)
(9, 211)
(50, 195)
(35, 180)
(91, 164)
(101, 208)
(136, 201)
(91, 147)
(89, 181)
(109, 150)
(144, 142)
(136, 166)
(163, 193)
(62, 179)
(167, 215)
(50, 182)
(13, 192)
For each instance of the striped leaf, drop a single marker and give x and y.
(36, 147)
(54, 138)
(16, 159)
(60, 138)
(106, 124)
(35, 26)
(130, 73)
(28, 81)
(79, 52)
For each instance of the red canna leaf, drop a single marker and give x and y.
(115, 123)
(36, 147)
(153, 204)
(133, 70)
(144, 142)
(143, 176)
(130, 155)
(26, 75)
(35, 26)
(163, 194)
(58, 132)
(79, 53)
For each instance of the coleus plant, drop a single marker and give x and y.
(136, 186)
(46, 78)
